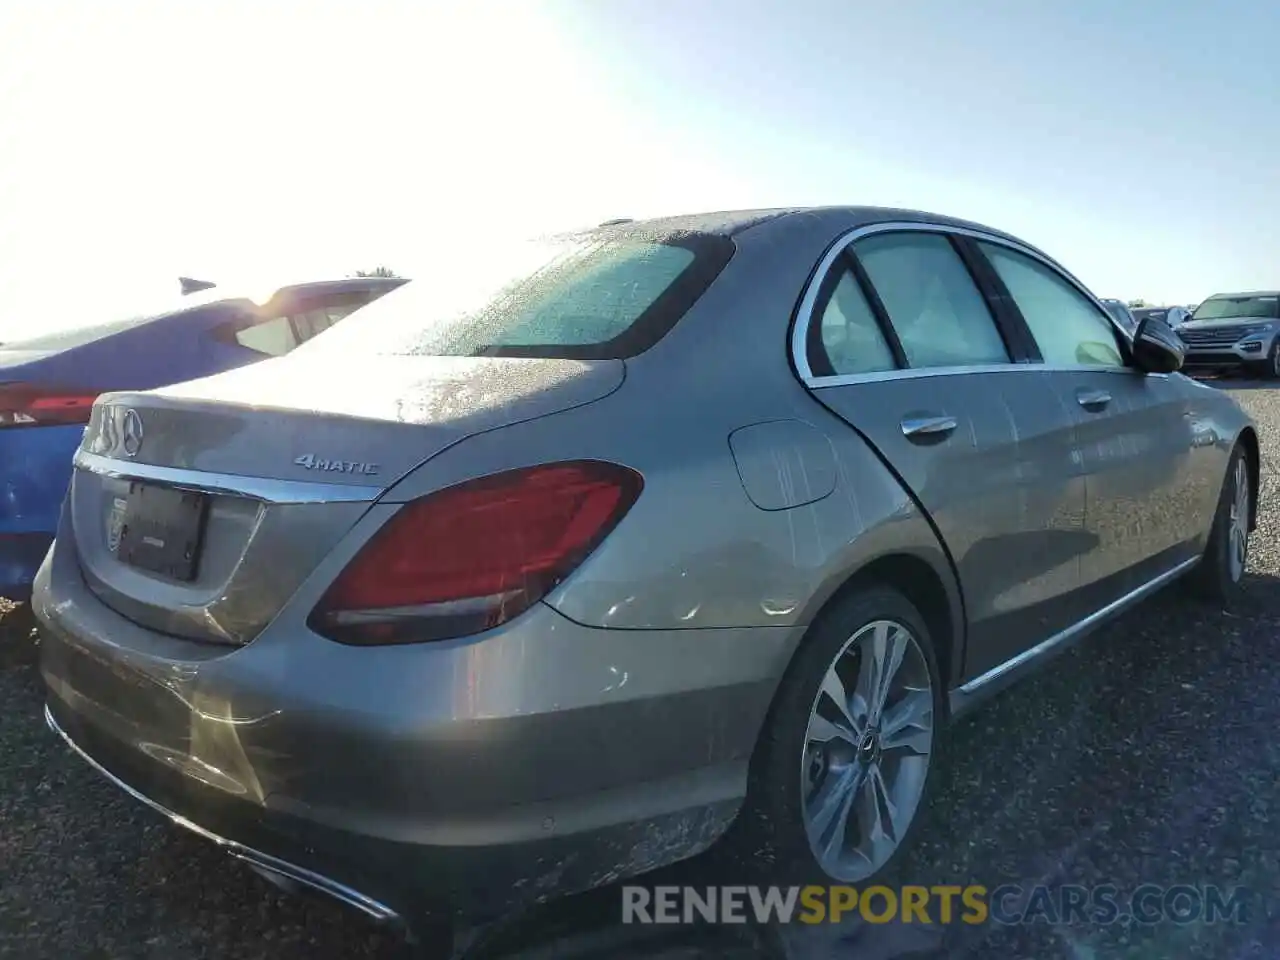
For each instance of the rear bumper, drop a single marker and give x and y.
(464, 778)
(35, 469)
(396, 883)
(378, 911)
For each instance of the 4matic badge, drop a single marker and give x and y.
(310, 461)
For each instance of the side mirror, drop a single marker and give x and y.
(1157, 348)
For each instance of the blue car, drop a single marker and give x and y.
(48, 385)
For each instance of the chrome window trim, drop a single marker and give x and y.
(253, 488)
(804, 316)
(966, 695)
(879, 376)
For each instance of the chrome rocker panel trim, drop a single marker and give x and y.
(970, 694)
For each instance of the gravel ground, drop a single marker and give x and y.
(1146, 755)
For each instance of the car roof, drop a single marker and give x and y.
(265, 293)
(1245, 293)
(829, 220)
(342, 286)
(730, 222)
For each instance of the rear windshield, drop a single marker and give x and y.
(1222, 308)
(582, 297)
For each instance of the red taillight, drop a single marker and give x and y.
(34, 405)
(475, 555)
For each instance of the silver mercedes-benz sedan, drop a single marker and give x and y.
(589, 553)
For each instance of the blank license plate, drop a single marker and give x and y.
(158, 529)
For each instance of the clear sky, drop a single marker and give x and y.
(1135, 140)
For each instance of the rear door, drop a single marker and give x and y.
(909, 349)
(1134, 432)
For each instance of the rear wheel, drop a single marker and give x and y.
(846, 761)
(1217, 577)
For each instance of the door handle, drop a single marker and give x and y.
(1093, 399)
(928, 426)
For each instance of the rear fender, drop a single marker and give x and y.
(696, 551)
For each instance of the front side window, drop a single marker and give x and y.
(1066, 325)
(584, 297)
(936, 310)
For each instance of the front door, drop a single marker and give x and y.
(1134, 435)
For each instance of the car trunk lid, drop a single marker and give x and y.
(199, 509)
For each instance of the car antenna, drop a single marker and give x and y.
(193, 286)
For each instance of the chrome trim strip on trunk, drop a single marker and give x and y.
(253, 488)
(315, 881)
(968, 694)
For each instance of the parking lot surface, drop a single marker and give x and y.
(1147, 755)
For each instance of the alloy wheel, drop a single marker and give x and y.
(1238, 522)
(867, 750)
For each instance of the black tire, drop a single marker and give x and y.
(769, 840)
(1271, 368)
(1268, 369)
(1217, 577)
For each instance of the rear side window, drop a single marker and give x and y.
(1066, 325)
(937, 311)
(851, 339)
(315, 322)
(274, 336)
(584, 297)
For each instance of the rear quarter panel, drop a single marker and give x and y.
(36, 462)
(35, 468)
(696, 551)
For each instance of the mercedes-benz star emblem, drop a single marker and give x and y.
(132, 433)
